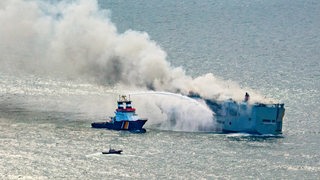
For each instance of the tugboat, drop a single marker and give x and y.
(125, 118)
(243, 117)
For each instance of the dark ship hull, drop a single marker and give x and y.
(132, 126)
(112, 151)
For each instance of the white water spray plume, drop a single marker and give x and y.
(170, 111)
(77, 40)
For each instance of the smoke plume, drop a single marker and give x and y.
(77, 40)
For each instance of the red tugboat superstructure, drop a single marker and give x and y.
(125, 118)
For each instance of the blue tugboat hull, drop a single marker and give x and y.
(132, 126)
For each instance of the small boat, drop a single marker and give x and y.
(112, 151)
(125, 118)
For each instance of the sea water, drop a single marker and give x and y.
(48, 100)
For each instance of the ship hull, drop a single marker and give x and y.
(132, 126)
(234, 117)
(257, 119)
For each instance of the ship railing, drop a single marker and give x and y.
(269, 105)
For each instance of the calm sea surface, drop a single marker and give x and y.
(269, 46)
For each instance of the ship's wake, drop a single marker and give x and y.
(252, 137)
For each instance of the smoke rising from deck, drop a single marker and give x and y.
(77, 40)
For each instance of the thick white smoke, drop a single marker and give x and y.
(78, 40)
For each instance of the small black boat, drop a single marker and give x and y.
(112, 151)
